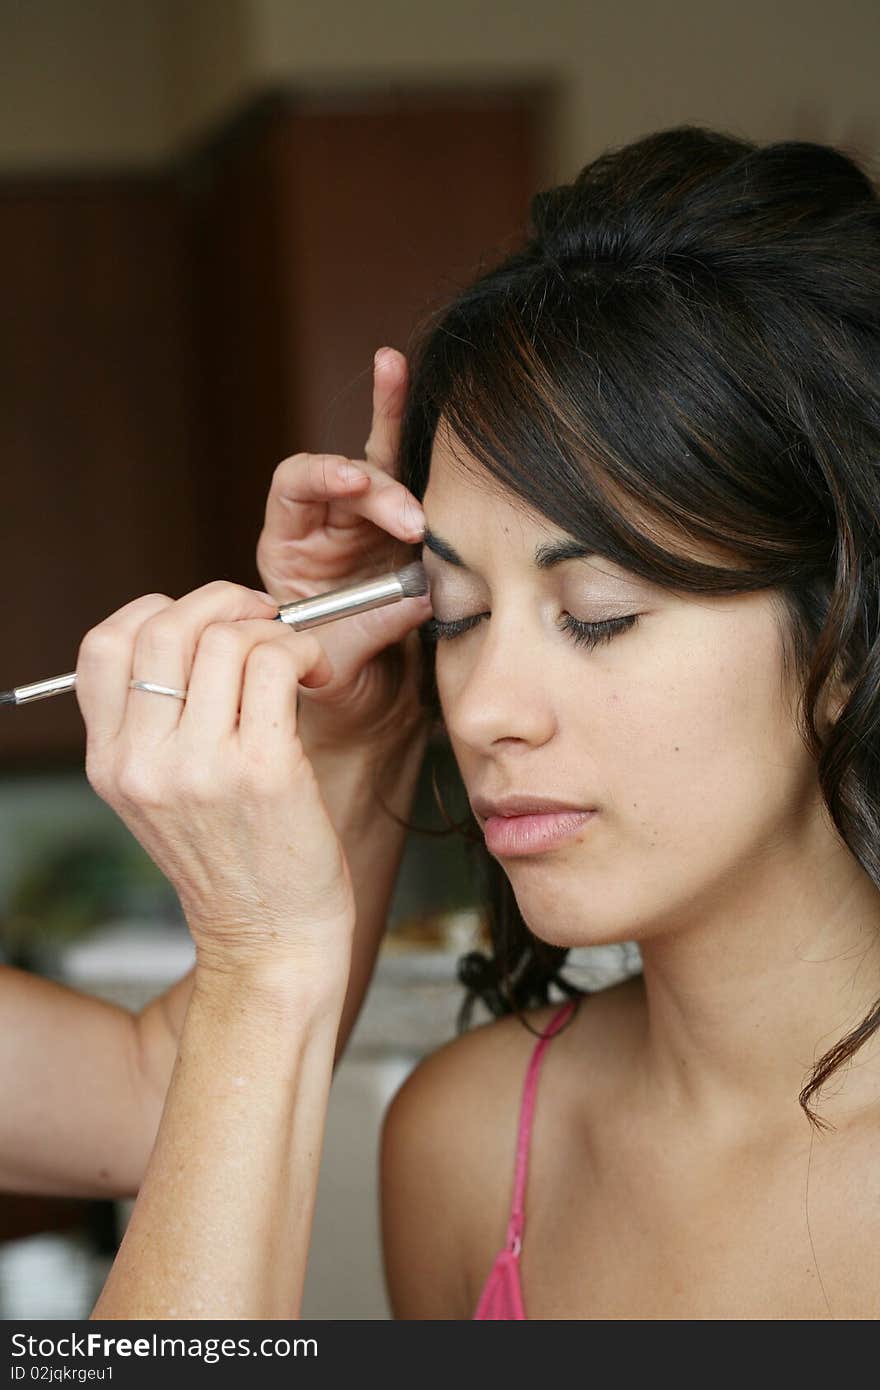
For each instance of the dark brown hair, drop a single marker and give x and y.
(688, 344)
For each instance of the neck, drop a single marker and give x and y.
(744, 998)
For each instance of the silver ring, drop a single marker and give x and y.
(154, 689)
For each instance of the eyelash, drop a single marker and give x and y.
(582, 634)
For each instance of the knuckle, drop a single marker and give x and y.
(197, 782)
(311, 652)
(315, 471)
(324, 464)
(110, 636)
(221, 640)
(96, 772)
(296, 467)
(100, 642)
(322, 470)
(274, 660)
(138, 784)
(143, 607)
(159, 634)
(288, 464)
(219, 588)
(262, 775)
(225, 591)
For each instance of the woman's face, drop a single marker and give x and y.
(678, 730)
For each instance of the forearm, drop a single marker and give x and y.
(77, 1118)
(226, 1234)
(222, 1224)
(373, 843)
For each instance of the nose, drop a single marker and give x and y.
(500, 687)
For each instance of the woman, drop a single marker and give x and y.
(646, 450)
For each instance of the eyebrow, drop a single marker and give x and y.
(546, 556)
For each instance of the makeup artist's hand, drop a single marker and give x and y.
(322, 531)
(218, 788)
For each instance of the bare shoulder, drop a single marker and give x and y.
(448, 1149)
(432, 1143)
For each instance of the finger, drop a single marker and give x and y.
(377, 628)
(104, 665)
(165, 649)
(309, 489)
(388, 504)
(272, 675)
(390, 378)
(301, 488)
(217, 676)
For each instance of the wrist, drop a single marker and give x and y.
(325, 733)
(359, 778)
(278, 988)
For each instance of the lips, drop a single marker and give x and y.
(515, 836)
(524, 804)
(526, 823)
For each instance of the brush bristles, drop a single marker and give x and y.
(7, 697)
(413, 579)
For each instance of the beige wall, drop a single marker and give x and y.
(81, 84)
(804, 69)
(95, 83)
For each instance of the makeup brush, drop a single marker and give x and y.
(301, 613)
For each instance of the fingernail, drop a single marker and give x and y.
(380, 356)
(258, 593)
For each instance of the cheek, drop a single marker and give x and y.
(703, 752)
(450, 675)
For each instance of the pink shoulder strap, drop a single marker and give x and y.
(527, 1108)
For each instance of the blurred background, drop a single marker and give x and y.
(212, 212)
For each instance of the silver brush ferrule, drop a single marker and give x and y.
(340, 603)
(41, 690)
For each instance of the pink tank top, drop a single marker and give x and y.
(501, 1298)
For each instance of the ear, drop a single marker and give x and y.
(838, 689)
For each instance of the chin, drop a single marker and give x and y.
(566, 920)
(573, 910)
(581, 936)
(568, 929)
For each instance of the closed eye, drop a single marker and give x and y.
(582, 633)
